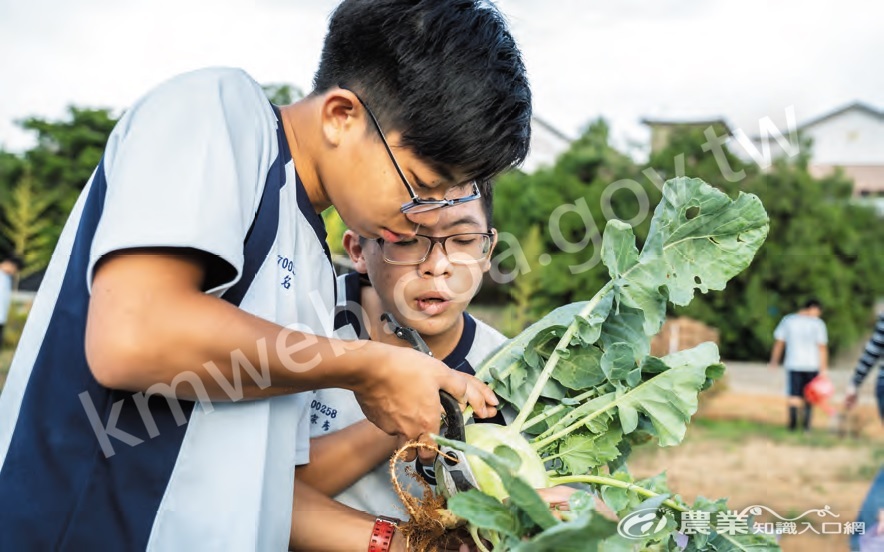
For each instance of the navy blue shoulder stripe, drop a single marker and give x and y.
(457, 359)
(347, 314)
(59, 490)
(262, 232)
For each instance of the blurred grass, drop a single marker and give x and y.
(737, 431)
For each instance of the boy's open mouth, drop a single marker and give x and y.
(432, 303)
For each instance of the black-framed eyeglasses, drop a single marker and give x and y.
(418, 204)
(464, 248)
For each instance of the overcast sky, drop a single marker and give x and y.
(623, 59)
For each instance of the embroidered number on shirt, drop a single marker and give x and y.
(324, 409)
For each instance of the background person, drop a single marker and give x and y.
(870, 357)
(805, 339)
(9, 269)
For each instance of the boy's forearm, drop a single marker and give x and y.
(824, 358)
(320, 523)
(210, 344)
(339, 460)
(776, 353)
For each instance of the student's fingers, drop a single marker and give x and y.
(426, 455)
(557, 496)
(469, 390)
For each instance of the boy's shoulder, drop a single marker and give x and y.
(485, 341)
(486, 332)
(202, 91)
(209, 77)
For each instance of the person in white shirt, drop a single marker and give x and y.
(9, 268)
(803, 336)
(427, 283)
(187, 310)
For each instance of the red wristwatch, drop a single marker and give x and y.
(382, 534)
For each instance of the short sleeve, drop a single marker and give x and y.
(780, 331)
(822, 334)
(185, 168)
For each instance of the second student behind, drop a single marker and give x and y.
(426, 283)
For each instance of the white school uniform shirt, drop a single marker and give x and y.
(200, 162)
(332, 410)
(803, 336)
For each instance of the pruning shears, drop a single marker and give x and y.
(451, 464)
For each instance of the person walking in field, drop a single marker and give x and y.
(804, 337)
(870, 357)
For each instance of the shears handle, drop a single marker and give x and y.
(453, 421)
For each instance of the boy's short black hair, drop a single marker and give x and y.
(446, 74)
(813, 303)
(487, 200)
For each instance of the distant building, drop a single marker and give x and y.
(850, 139)
(547, 143)
(661, 129)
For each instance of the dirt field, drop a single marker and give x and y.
(738, 448)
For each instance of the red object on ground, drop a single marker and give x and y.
(819, 391)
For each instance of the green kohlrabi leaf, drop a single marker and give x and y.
(669, 399)
(705, 237)
(730, 542)
(497, 365)
(582, 452)
(485, 512)
(622, 501)
(726, 540)
(617, 362)
(626, 326)
(582, 369)
(584, 533)
(637, 280)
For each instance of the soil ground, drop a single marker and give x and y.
(738, 447)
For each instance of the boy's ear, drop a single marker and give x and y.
(355, 251)
(341, 111)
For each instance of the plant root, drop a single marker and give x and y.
(430, 524)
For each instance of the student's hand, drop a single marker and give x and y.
(850, 398)
(400, 394)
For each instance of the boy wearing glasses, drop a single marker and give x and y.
(193, 268)
(426, 283)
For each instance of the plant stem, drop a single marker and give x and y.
(474, 532)
(611, 482)
(555, 410)
(525, 409)
(547, 437)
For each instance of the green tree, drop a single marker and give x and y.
(525, 287)
(335, 229)
(570, 202)
(64, 158)
(282, 94)
(26, 227)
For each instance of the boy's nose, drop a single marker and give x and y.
(436, 263)
(427, 218)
